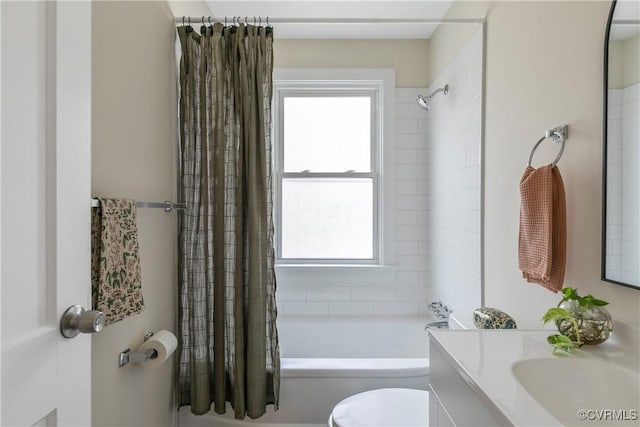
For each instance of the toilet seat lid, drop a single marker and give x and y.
(385, 407)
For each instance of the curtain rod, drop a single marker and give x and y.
(197, 20)
(167, 205)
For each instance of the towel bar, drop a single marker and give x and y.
(166, 205)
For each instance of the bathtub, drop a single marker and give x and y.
(324, 360)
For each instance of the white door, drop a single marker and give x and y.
(45, 184)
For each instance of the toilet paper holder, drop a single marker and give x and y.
(125, 357)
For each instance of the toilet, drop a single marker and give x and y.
(393, 407)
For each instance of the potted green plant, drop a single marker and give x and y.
(580, 320)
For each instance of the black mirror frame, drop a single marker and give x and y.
(605, 101)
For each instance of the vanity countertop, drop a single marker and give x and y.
(484, 358)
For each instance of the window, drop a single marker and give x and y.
(329, 176)
(329, 146)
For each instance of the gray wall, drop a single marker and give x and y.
(134, 156)
(408, 57)
(526, 93)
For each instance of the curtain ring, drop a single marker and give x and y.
(254, 21)
(189, 20)
(245, 20)
(203, 20)
(183, 20)
(260, 21)
(268, 22)
(209, 20)
(225, 21)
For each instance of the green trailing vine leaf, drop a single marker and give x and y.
(558, 314)
(569, 293)
(561, 343)
(590, 301)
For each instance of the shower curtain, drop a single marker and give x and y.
(228, 342)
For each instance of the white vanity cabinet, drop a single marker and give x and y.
(501, 378)
(453, 399)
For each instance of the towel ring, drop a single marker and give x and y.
(558, 135)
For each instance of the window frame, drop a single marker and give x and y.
(373, 174)
(378, 84)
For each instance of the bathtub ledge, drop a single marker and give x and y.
(354, 367)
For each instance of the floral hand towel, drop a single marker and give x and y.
(115, 261)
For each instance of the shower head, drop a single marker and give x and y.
(425, 101)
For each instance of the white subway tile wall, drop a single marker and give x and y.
(614, 185)
(623, 188)
(437, 148)
(454, 181)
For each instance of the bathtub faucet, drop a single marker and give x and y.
(441, 324)
(440, 312)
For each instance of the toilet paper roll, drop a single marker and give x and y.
(164, 342)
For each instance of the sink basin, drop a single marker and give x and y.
(564, 386)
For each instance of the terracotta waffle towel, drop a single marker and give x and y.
(115, 261)
(542, 246)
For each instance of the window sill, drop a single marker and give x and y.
(334, 273)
